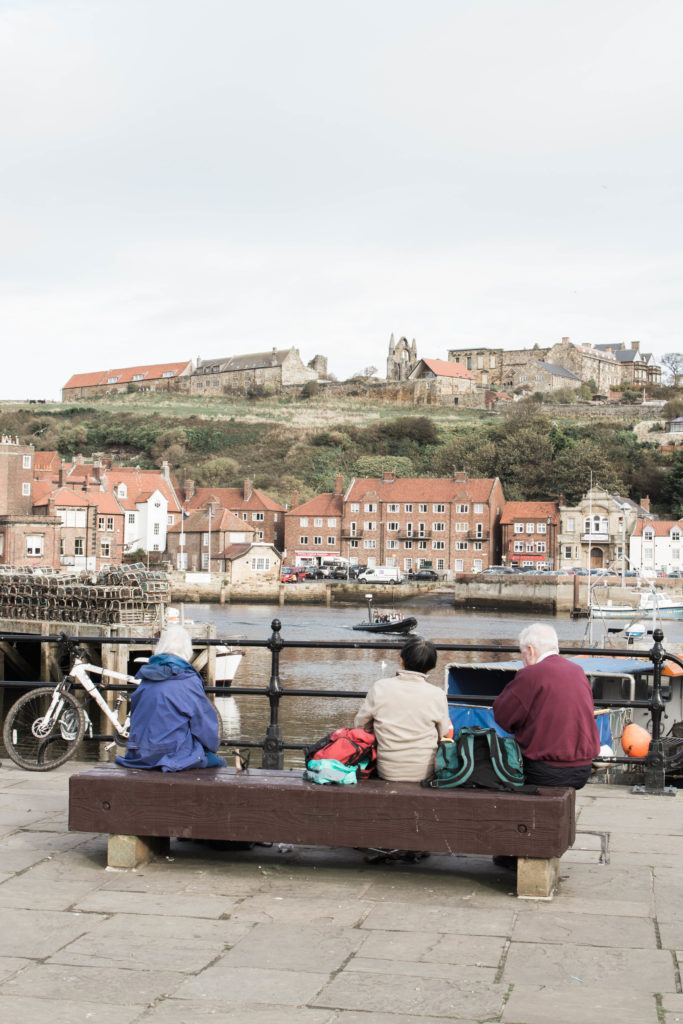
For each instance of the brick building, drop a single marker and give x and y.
(313, 530)
(25, 538)
(248, 502)
(157, 377)
(16, 477)
(449, 524)
(530, 531)
(92, 526)
(270, 371)
(199, 542)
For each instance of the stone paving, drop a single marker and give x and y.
(278, 936)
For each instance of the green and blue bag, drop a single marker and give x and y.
(478, 758)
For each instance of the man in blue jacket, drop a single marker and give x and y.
(173, 725)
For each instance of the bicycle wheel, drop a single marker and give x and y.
(36, 745)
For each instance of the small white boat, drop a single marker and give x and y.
(651, 603)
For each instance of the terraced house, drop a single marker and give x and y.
(448, 524)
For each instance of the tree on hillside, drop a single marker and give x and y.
(571, 470)
(673, 361)
(220, 472)
(376, 465)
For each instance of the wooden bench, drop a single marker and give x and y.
(141, 810)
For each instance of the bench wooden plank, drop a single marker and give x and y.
(272, 806)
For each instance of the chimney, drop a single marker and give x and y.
(339, 484)
(190, 489)
(566, 341)
(166, 471)
(460, 476)
(60, 474)
(635, 346)
(248, 487)
(645, 502)
(295, 499)
(387, 476)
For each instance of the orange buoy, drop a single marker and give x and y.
(635, 740)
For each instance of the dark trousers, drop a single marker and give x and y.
(541, 773)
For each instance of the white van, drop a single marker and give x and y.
(381, 574)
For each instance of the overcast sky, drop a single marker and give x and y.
(183, 178)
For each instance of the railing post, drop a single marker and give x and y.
(273, 753)
(655, 766)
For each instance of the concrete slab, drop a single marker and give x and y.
(456, 973)
(593, 930)
(39, 933)
(120, 987)
(390, 994)
(594, 967)
(289, 947)
(37, 1011)
(434, 947)
(11, 965)
(265, 907)
(253, 985)
(180, 1011)
(153, 904)
(536, 1004)
(447, 919)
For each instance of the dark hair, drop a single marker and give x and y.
(418, 655)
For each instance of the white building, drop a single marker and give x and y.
(594, 533)
(657, 544)
(150, 503)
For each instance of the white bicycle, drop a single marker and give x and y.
(46, 726)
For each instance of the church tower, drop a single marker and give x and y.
(402, 359)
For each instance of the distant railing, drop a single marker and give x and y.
(273, 745)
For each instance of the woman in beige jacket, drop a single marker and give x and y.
(408, 715)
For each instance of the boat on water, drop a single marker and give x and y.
(652, 602)
(388, 622)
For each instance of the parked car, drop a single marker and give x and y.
(424, 575)
(340, 572)
(499, 570)
(314, 572)
(355, 571)
(292, 574)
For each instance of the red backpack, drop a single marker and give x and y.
(349, 746)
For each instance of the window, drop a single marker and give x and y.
(461, 545)
(392, 527)
(79, 543)
(245, 516)
(112, 380)
(567, 551)
(477, 565)
(422, 545)
(205, 540)
(462, 509)
(529, 546)
(258, 517)
(480, 529)
(168, 373)
(100, 522)
(422, 508)
(407, 564)
(332, 522)
(369, 544)
(259, 535)
(393, 508)
(438, 545)
(138, 376)
(478, 546)
(317, 540)
(541, 527)
(355, 507)
(317, 521)
(408, 545)
(170, 519)
(676, 535)
(648, 535)
(353, 543)
(131, 518)
(205, 560)
(421, 529)
(480, 361)
(303, 540)
(303, 521)
(530, 527)
(110, 522)
(439, 527)
(519, 527)
(518, 546)
(155, 529)
(438, 508)
(276, 517)
(540, 547)
(458, 564)
(34, 544)
(570, 525)
(440, 564)
(26, 461)
(370, 507)
(105, 549)
(408, 508)
(392, 545)
(331, 540)
(478, 508)
(260, 564)
(353, 528)
(409, 529)
(461, 527)
(26, 489)
(368, 525)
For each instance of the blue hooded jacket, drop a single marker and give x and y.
(172, 722)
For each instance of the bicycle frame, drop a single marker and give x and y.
(80, 671)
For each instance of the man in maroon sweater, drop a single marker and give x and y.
(548, 707)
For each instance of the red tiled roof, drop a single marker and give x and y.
(661, 527)
(125, 375)
(327, 504)
(141, 483)
(40, 490)
(45, 460)
(439, 489)
(233, 497)
(442, 368)
(233, 551)
(65, 497)
(223, 521)
(539, 510)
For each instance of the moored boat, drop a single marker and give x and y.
(388, 622)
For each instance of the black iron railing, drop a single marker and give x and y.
(273, 745)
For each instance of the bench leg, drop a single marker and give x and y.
(132, 851)
(537, 879)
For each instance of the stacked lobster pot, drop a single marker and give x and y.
(125, 594)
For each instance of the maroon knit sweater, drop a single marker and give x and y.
(549, 709)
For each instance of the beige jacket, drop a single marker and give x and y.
(408, 716)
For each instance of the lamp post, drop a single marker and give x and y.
(210, 516)
(551, 549)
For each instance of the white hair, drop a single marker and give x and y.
(541, 637)
(175, 640)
